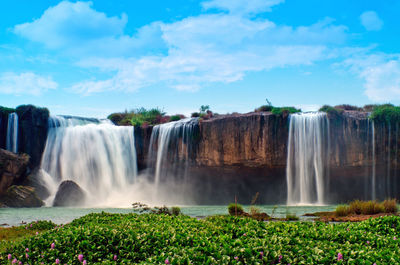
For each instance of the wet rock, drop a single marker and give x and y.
(35, 179)
(69, 194)
(21, 196)
(12, 168)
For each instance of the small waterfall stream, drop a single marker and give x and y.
(308, 148)
(169, 152)
(12, 133)
(98, 156)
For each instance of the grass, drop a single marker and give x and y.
(166, 239)
(235, 209)
(15, 234)
(277, 110)
(358, 207)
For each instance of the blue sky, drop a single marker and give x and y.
(93, 58)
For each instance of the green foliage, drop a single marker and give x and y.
(235, 209)
(284, 110)
(386, 113)
(342, 210)
(204, 108)
(264, 108)
(348, 107)
(155, 239)
(175, 118)
(175, 211)
(331, 110)
(367, 207)
(139, 117)
(195, 115)
(5, 110)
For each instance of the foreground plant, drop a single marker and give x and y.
(164, 239)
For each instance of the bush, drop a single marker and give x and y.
(390, 206)
(284, 110)
(331, 110)
(342, 210)
(369, 107)
(41, 225)
(263, 108)
(5, 110)
(195, 115)
(386, 113)
(138, 117)
(175, 211)
(175, 118)
(235, 209)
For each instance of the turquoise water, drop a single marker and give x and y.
(62, 215)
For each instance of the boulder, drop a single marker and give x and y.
(12, 168)
(69, 194)
(21, 196)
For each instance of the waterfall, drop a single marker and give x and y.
(99, 156)
(12, 133)
(373, 178)
(308, 149)
(169, 150)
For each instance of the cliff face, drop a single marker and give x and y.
(239, 155)
(32, 132)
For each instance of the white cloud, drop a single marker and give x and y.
(381, 75)
(186, 54)
(217, 48)
(78, 29)
(371, 21)
(242, 6)
(25, 84)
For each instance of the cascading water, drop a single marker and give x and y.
(12, 133)
(373, 178)
(169, 151)
(98, 156)
(308, 150)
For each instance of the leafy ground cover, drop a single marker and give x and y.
(165, 239)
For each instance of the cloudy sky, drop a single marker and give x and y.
(93, 58)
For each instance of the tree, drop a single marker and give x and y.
(204, 108)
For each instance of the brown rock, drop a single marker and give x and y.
(21, 196)
(12, 168)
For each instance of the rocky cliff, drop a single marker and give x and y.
(246, 153)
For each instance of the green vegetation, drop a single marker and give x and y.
(367, 207)
(5, 110)
(333, 111)
(284, 110)
(235, 209)
(386, 113)
(164, 239)
(143, 117)
(12, 235)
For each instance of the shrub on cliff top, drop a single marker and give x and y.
(137, 117)
(386, 113)
(348, 107)
(331, 110)
(5, 110)
(284, 110)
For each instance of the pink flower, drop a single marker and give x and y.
(14, 261)
(84, 262)
(244, 234)
(31, 225)
(20, 262)
(367, 242)
(80, 257)
(236, 258)
(394, 238)
(52, 246)
(27, 249)
(37, 233)
(339, 256)
(166, 261)
(280, 258)
(261, 253)
(9, 256)
(115, 257)
(27, 255)
(57, 261)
